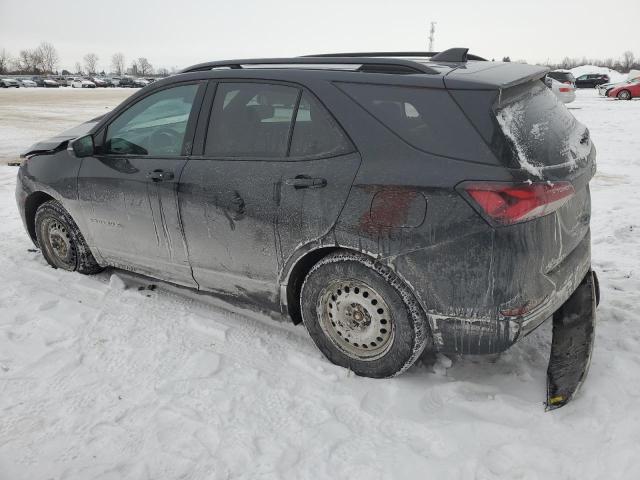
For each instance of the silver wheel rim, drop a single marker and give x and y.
(356, 318)
(624, 95)
(58, 243)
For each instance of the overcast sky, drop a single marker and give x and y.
(179, 33)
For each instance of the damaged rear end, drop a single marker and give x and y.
(541, 220)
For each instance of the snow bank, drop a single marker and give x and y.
(614, 76)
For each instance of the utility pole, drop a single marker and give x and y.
(432, 35)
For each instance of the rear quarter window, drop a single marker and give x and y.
(425, 118)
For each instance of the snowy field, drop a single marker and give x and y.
(100, 379)
(31, 114)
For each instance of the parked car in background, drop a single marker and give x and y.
(45, 82)
(562, 76)
(464, 245)
(82, 83)
(140, 82)
(126, 82)
(60, 81)
(26, 83)
(565, 92)
(115, 81)
(626, 91)
(9, 83)
(133, 82)
(591, 80)
(99, 82)
(150, 79)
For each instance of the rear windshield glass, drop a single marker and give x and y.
(426, 118)
(541, 129)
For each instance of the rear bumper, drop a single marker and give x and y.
(465, 300)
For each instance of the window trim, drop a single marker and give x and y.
(187, 143)
(207, 107)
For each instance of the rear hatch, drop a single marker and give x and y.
(551, 159)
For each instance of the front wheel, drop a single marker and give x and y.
(61, 242)
(362, 316)
(624, 95)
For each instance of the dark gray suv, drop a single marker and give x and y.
(391, 202)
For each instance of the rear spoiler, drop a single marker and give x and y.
(492, 75)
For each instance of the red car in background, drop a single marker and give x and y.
(626, 91)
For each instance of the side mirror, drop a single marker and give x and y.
(83, 146)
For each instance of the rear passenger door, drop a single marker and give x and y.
(274, 172)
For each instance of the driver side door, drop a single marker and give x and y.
(128, 189)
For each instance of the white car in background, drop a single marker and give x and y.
(82, 83)
(26, 83)
(566, 92)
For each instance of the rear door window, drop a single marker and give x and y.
(251, 120)
(260, 120)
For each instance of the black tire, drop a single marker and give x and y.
(61, 241)
(405, 328)
(624, 95)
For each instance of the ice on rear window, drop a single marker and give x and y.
(543, 132)
(511, 119)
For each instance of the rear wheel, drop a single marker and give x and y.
(624, 95)
(60, 240)
(362, 316)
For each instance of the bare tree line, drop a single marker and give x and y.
(627, 62)
(44, 59)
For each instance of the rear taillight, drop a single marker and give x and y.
(565, 89)
(506, 204)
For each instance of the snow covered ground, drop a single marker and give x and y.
(100, 379)
(31, 114)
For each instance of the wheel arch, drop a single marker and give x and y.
(31, 204)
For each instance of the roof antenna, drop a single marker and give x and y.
(432, 35)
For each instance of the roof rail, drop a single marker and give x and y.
(456, 53)
(367, 64)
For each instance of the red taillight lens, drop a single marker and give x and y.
(565, 89)
(506, 204)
